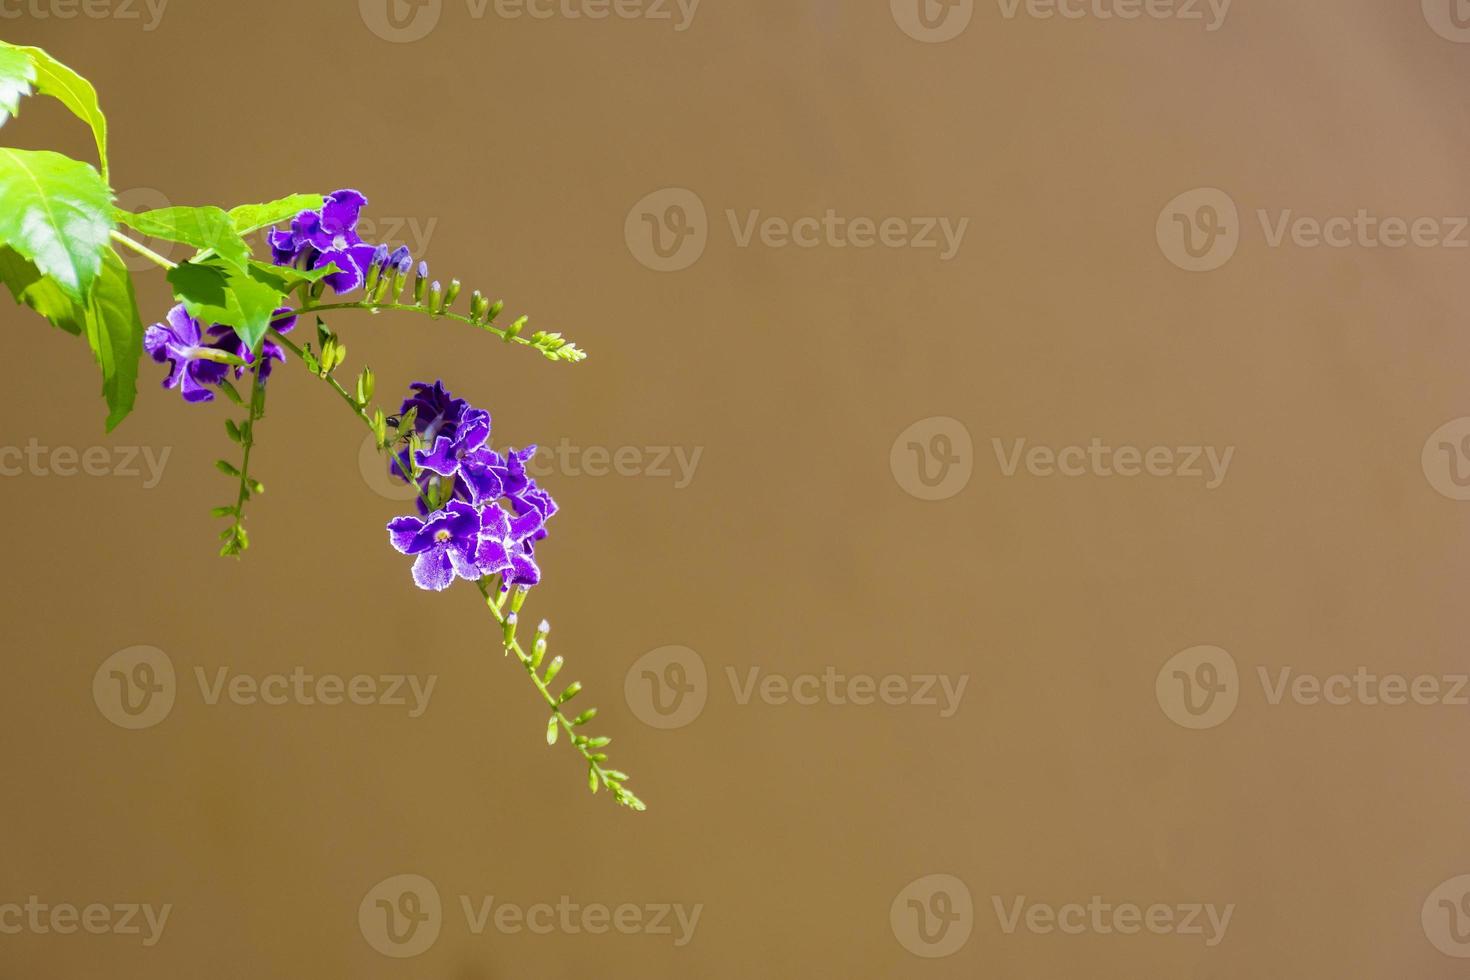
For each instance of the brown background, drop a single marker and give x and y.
(794, 548)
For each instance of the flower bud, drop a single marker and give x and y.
(495, 310)
(420, 283)
(451, 294)
(436, 298)
(477, 306)
(375, 270)
(552, 669)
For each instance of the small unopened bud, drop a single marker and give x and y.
(375, 270)
(495, 310)
(477, 306)
(552, 669)
(518, 598)
(420, 283)
(436, 297)
(451, 294)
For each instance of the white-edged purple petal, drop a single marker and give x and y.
(432, 570)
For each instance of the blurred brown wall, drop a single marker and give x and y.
(855, 502)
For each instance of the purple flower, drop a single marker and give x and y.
(484, 482)
(327, 237)
(505, 546)
(447, 544)
(227, 340)
(177, 341)
(449, 451)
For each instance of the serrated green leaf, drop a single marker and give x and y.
(76, 93)
(253, 217)
(17, 72)
(31, 288)
(115, 334)
(207, 228)
(213, 292)
(57, 214)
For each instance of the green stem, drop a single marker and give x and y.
(143, 250)
(236, 539)
(587, 751)
(611, 779)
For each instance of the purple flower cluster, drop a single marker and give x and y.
(180, 341)
(493, 513)
(318, 239)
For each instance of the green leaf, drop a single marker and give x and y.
(28, 286)
(207, 228)
(17, 72)
(115, 333)
(58, 214)
(73, 91)
(253, 217)
(216, 293)
(285, 278)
